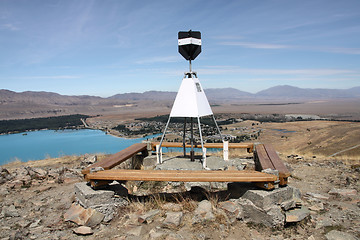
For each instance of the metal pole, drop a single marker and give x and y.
(201, 138)
(162, 138)
(202, 144)
(217, 128)
(184, 135)
(192, 141)
(190, 65)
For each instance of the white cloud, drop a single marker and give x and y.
(255, 71)
(52, 77)
(9, 26)
(256, 45)
(341, 50)
(355, 51)
(166, 59)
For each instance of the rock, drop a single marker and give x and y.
(21, 172)
(337, 235)
(23, 223)
(20, 234)
(10, 211)
(39, 173)
(109, 210)
(272, 217)
(203, 212)
(3, 191)
(208, 186)
(316, 196)
(95, 218)
(75, 214)
(119, 238)
(96, 169)
(317, 207)
(288, 204)
(134, 230)
(156, 234)
(81, 216)
(343, 192)
(176, 236)
(271, 171)
(264, 199)
(149, 162)
(4, 172)
(53, 173)
(296, 215)
(172, 207)
(149, 216)
(327, 222)
(275, 216)
(231, 209)
(83, 230)
(89, 159)
(173, 219)
(35, 224)
(4, 175)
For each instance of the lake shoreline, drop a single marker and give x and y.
(43, 144)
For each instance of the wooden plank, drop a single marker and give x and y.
(181, 176)
(275, 159)
(206, 145)
(263, 158)
(117, 158)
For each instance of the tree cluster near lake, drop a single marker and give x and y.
(60, 122)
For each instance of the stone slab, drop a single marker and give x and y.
(337, 235)
(83, 230)
(273, 217)
(81, 216)
(296, 215)
(265, 199)
(173, 219)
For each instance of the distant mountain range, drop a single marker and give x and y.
(278, 92)
(284, 92)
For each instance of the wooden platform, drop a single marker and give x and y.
(117, 158)
(263, 180)
(265, 157)
(248, 146)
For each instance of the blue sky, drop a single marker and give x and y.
(107, 47)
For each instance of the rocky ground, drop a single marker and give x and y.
(38, 202)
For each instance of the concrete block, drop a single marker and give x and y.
(266, 199)
(89, 197)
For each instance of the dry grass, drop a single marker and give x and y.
(69, 161)
(155, 201)
(187, 204)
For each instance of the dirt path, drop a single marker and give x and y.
(345, 150)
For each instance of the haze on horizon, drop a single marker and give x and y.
(104, 48)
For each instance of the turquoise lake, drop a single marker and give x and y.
(51, 144)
